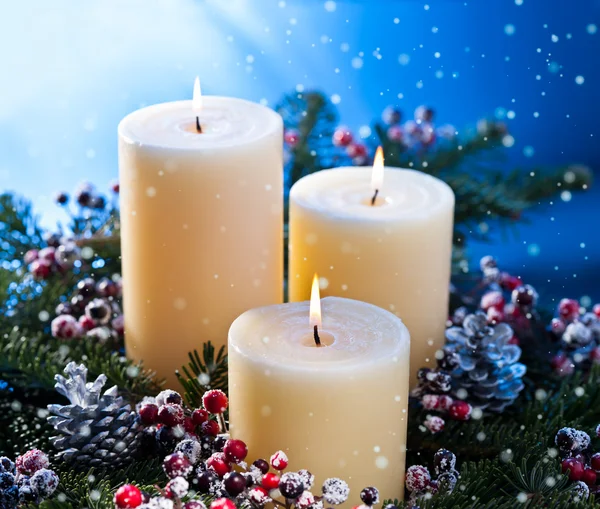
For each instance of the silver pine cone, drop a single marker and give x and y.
(95, 429)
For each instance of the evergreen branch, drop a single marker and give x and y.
(202, 374)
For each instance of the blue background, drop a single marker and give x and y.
(72, 70)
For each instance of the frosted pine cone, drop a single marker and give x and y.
(94, 429)
(488, 369)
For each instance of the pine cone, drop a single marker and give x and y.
(487, 369)
(95, 430)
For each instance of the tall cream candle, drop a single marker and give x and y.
(338, 410)
(395, 254)
(201, 223)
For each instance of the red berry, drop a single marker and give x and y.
(395, 133)
(176, 465)
(434, 423)
(558, 326)
(495, 315)
(171, 414)
(492, 300)
(514, 341)
(460, 410)
(509, 282)
(260, 497)
(128, 496)
(48, 254)
(576, 468)
(210, 428)
(199, 416)
(40, 269)
(417, 478)
(31, 462)
(279, 461)
(114, 186)
(430, 401)
(356, 150)
(235, 450)
(86, 323)
(222, 503)
(188, 425)
(148, 413)
(568, 309)
(589, 477)
(595, 461)
(270, 481)
(597, 310)
(291, 137)
(215, 401)
(342, 137)
(218, 464)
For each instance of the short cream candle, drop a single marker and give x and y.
(338, 410)
(201, 223)
(395, 253)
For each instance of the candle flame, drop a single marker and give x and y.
(197, 97)
(377, 175)
(315, 303)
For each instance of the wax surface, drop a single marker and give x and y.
(202, 219)
(337, 410)
(396, 254)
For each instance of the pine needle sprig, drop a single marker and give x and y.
(202, 374)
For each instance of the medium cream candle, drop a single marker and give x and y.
(395, 253)
(338, 410)
(201, 223)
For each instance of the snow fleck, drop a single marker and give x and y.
(265, 339)
(510, 114)
(579, 391)
(330, 6)
(554, 38)
(419, 84)
(550, 481)
(404, 59)
(506, 456)
(381, 462)
(376, 449)
(508, 141)
(519, 2)
(151, 192)
(509, 29)
(266, 410)
(477, 413)
(566, 196)
(216, 276)
(281, 4)
(323, 283)
(180, 303)
(43, 316)
(533, 250)
(344, 287)
(579, 80)
(356, 62)
(522, 497)
(437, 54)
(591, 29)
(364, 131)
(462, 393)
(132, 371)
(481, 436)
(336, 99)
(396, 21)
(397, 398)
(541, 394)
(528, 151)
(205, 321)
(293, 21)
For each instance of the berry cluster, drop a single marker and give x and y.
(172, 427)
(86, 196)
(579, 334)
(51, 260)
(93, 310)
(27, 480)
(420, 483)
(579, 460)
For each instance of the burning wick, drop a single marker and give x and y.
(315, 309)
(377, 174)
(197, 103)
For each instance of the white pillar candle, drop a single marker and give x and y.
(201, 223)
(395, 254)
(338, 410)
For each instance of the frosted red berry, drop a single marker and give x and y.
(568, 309)
(259, 496)
(222, 503)
(279, 461)
(460, 410)
(235, 450)
(417, 478)
(199, 416)
(148, 413)
(509, 282)
(128, 496)
(596, 310)
(171, 414)
(495, 315)
(291, 137)
(395, 133)
(31, 462)
(40, 269)
(194, 504)
(434, 423)
(370, 496)
(188, 425)
(575, 467)
(262, 465)
(356, 150)
(595, 462)
(342, 137)
(218, 464)
(210, 428)
(270, 481)
(215, 401)
(177, 465)
(589, 477)
(492, 299)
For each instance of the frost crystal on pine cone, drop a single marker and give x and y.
(95, 429)
(487, 365)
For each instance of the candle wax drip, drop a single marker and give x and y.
(317, 339)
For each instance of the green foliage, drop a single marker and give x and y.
(200, 375)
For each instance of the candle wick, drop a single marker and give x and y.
(374, 197)
(317, 338)
(198, 126)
